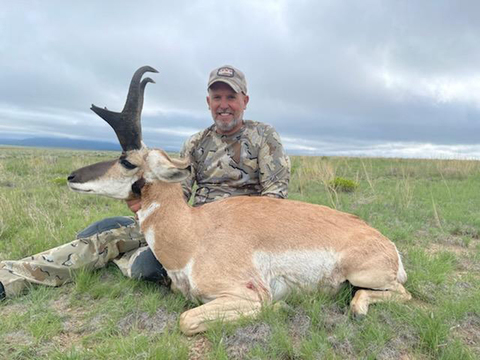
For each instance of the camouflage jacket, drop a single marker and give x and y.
(250, 162)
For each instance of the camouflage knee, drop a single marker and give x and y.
(11, 285)
(123, 230)
(145, 266)
(105, 225)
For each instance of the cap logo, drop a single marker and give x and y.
(225, 71)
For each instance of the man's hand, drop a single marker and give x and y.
(134, 204)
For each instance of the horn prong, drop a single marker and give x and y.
(127, 124)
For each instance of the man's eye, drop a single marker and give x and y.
(127, 164)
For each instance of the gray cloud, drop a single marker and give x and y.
(338, 77)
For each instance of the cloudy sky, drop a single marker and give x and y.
(368, 78)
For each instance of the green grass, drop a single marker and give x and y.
(429, 208)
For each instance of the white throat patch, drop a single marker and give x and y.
(145, 213)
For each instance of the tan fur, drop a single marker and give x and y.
(214, 247)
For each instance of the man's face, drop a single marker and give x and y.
(227, 107)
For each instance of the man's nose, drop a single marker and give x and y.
(223, 103)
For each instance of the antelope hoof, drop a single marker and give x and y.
(358, 316)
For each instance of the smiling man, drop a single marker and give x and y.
(233, 157)
(227, 99)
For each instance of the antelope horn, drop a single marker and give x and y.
(127, 124)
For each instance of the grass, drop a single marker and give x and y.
(429, 208)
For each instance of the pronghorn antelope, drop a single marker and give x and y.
(241, 252)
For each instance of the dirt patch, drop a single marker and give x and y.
(333, 317)
(388, 354)
(74, 318)
(469, 332)
(74, 321)
(95, 323)
(466, 240)
(463, 284)
(466, 230)
(17, 345)
(13, 339)
(143, 321)
(246, 338)
(299, 325)
(397, 347)
(452, 246)
(66, 340)
(61, 304)
(199, 348)
(75, 325)
(342, 347)
(18, 309)
(465, 254)
(469, 265)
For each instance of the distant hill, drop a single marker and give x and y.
(62, 143)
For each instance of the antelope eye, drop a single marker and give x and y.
(127, 164)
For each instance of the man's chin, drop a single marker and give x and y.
(226, 126)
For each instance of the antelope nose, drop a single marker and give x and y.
(71, 177)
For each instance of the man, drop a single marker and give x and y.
(233, 157)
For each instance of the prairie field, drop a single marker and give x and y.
(429, 208)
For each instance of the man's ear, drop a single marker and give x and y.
(246, 99)
(166, 169)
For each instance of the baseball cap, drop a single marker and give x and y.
(229, 75)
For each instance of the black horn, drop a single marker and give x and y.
(127, 124)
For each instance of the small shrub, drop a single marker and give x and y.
(60, 181)
(342, 184)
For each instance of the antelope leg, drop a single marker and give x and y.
(223, 308)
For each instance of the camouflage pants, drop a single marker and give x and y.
(117, 239)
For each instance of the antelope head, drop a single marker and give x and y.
(123, 178)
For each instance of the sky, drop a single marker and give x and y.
(347, 78)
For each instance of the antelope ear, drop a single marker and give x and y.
(165, 169)
(183, 163)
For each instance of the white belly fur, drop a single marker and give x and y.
(182, 280)
(283, 272)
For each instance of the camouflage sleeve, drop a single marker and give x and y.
(187, 184)
(274, 165)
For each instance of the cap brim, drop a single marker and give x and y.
(230, 83)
